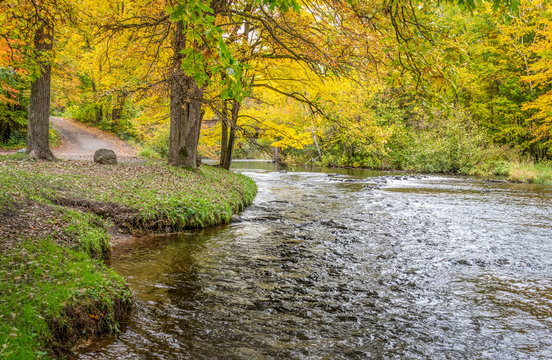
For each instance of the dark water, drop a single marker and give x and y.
(355, 266)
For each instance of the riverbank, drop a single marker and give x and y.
(330, 267)
(57, 219)
(516, 171)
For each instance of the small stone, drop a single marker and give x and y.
(236, 219)
(21, 151)
(105, 157)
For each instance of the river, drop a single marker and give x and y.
(350, 264)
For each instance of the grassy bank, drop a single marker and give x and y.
(56, 219)
(440, 156)
(517, 171)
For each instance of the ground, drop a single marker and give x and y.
(57, 219)
(79, 142)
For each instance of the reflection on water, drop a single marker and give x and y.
(350, 265)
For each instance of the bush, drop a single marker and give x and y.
(157, 147)
(453, 145)
(99, 114)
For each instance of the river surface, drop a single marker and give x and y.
(355, 265)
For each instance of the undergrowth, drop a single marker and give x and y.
(18, 139)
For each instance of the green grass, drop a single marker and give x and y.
(155, 195)
(89, 231)
(537, 173)
(49, 296)
(54, 290)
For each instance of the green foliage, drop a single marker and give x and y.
(157, 147)
(449, 143)
(99, 114)
(202, 32)
(17, 139)
(455, 146)
(13, 103)
(90, 232)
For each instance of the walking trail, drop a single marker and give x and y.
(79, 141)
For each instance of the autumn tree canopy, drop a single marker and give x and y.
(334, 81)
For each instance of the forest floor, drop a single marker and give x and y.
(57, 220)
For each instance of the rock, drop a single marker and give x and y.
(463, 262)
(372, 187)
(236, 219)
(24, 150)
(105, 157)
(497, 181)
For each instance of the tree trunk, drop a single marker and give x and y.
(117, 110)
(186, 100)
(224, 133)
(279, 164)
(227, 160)
(316, 143)
(38, 144)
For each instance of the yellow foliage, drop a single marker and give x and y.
(541, 77)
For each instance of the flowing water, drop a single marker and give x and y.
(355, 265)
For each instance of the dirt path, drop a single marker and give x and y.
(80, 141)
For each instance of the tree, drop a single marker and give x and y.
(31, 23)
(186, 113)
(13, 97)
(39, 102)
(541, 78)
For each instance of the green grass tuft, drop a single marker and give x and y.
(41, 283)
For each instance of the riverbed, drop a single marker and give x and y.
(349, 264)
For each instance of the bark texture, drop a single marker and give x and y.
(186, 114)
(38, 143)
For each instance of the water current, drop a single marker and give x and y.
(349, 265)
